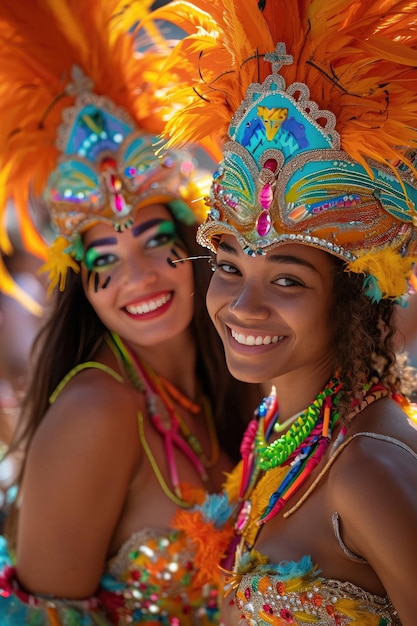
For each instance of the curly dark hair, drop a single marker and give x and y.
(364, 337)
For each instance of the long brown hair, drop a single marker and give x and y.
(73, 332)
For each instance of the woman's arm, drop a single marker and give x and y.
(376, 485)
(77, 474)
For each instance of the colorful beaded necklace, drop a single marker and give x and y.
(169, 423)
(300, 448)
(272, 473)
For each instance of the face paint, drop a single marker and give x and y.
(95, 262)
(123, 277)
(171, 261)
(166, 227)
(95, 259)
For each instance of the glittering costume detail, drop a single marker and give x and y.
(157, 568)
(108, 169)
(150, 581)
(285, 593)
(338, 535)
(294, 593)
(314, 194)
(270, 474)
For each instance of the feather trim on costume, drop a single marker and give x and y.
(210, 530)
(386, 271)
(232, 484)
(260, 499)
(357, 616)
(57, 265)
(208, 540)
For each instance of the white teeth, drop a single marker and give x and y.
(251, 340)
(152, 305)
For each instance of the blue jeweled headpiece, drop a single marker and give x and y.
(320, 150)
(285, 179)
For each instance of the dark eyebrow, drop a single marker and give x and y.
(275, 258)
(106, 241)
(290, 259)
(140, 228)
(226, 248)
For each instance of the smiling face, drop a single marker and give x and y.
(273, 312)
(129, 282)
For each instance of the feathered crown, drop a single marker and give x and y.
(80, 115)
(317, 113)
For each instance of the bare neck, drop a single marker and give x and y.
(174, 360)
(297, 390)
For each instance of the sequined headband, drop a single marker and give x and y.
(108, 170)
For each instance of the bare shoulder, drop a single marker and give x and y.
(93, 408)
(372, 487)
(372, 482)
(77, 475)
(381, 445)
(91, 430)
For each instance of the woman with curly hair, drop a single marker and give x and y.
(313, 223)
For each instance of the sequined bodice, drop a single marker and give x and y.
(150, 581)
(294, 593)
(157, 571)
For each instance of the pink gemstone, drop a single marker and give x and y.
(119, 202)
(263, 224)
(266, 196)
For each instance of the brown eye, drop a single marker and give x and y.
(105, 260)
(287, 281)
(159, 240)
(227, 268)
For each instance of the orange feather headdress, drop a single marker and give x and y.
(315, 105)
(79, 118)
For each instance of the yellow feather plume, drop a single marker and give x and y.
(391, 271)
(356, 614)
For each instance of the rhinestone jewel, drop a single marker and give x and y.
(263, 224)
